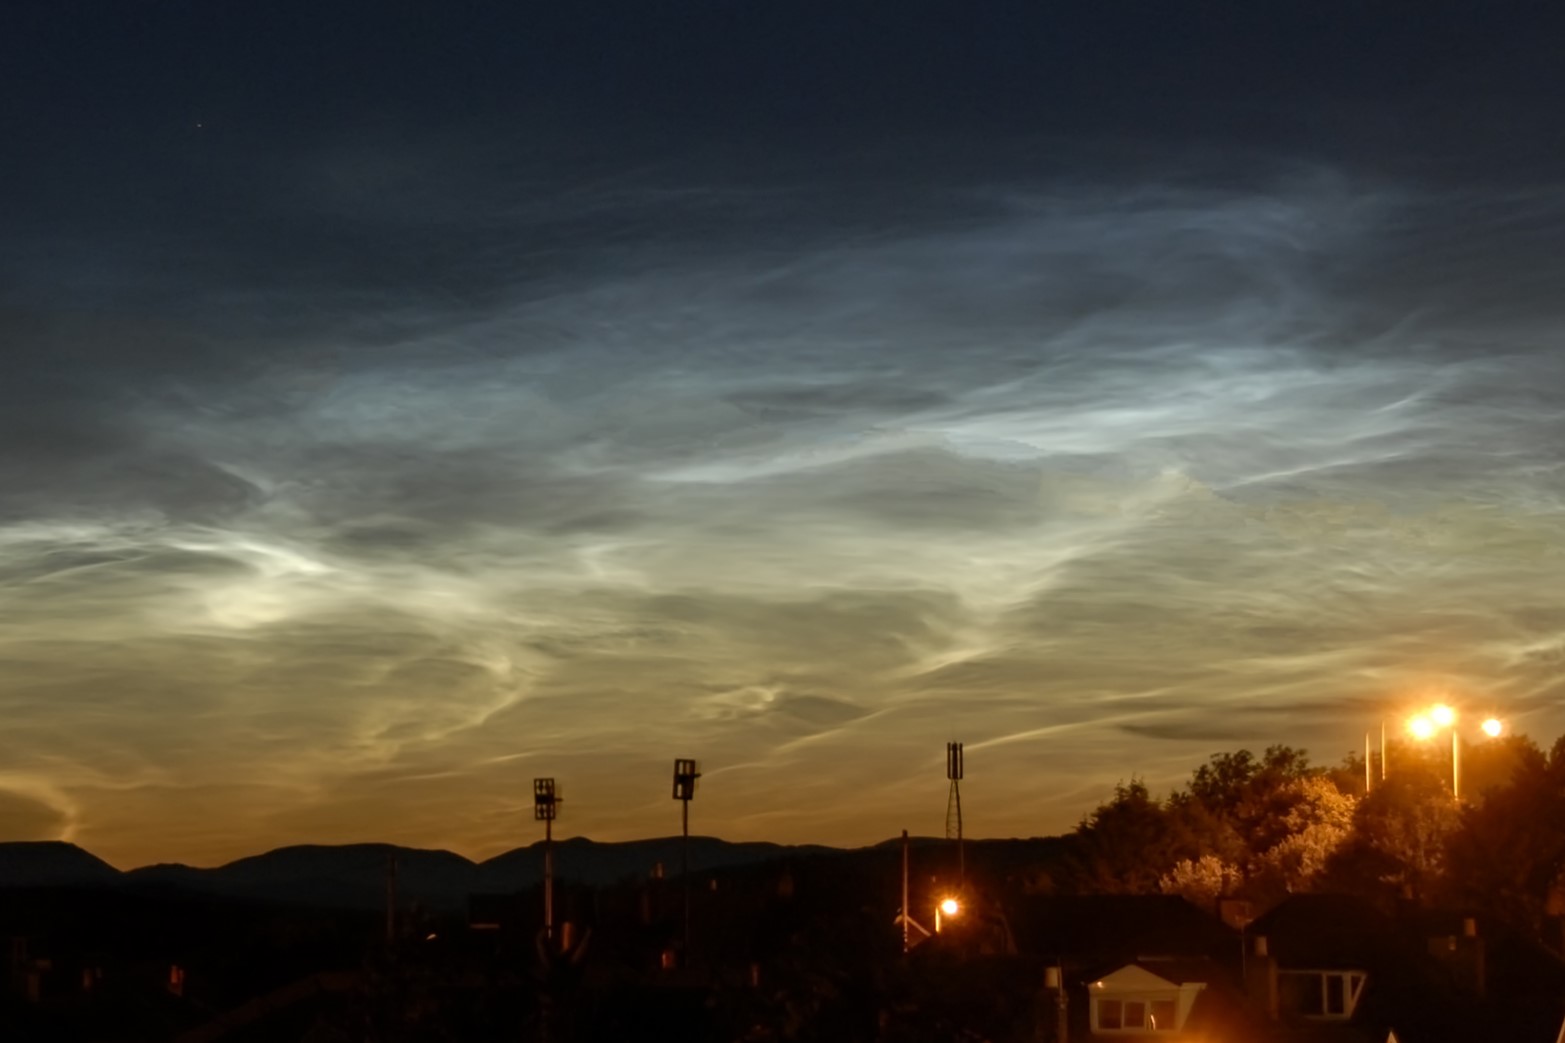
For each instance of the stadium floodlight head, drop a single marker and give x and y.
(545, 801)
(953, 761)
(685, 776)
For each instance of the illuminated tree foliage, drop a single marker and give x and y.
(1243, 825)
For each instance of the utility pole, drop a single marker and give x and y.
(685, 776)
(906, 916)
(904, 893)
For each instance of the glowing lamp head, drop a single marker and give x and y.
(1443, 716)
(1421, 726)
(1493, 727)
(950, 907)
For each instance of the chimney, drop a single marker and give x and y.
(1463, 955)
(1260, 976)
(1235, 912)
(1054, 997)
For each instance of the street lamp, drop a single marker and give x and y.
(1424, 725)
(949, 908)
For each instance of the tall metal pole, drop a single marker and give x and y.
(1382, 749)
(1368, 785)
(1456, 767)
(684, 866)
(961, 844)
(904, 892)
(954, 806)
(685, 775)
(548, 878)
(545, 806)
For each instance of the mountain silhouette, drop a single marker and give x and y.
(39, 863)
(354, 875)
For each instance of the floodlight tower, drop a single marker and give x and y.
(954, 806)
(685, 776)
(546, 805)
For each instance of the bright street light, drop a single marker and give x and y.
(1424, 725)
(946, 909)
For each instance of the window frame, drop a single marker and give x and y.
(1121, 1021)
(1352, 983)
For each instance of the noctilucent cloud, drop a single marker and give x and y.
(398, 407)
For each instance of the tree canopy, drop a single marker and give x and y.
(1260, 827)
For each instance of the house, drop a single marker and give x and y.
(1422, 976)
(1314, 969)
(1136, 998)
(1194, 1001)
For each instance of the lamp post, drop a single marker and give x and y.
(1425, 725)
(1370, 777)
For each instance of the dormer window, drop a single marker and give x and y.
(1132, 1015)
(1136, 1001)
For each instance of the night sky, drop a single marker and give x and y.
(399, 401)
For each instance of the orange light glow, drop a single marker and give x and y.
(1493, 727)
(1421, 726)
(1442, 715)
(950, 907)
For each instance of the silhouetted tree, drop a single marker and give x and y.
(1507, 856)
(1128, 843)
(1399, 837)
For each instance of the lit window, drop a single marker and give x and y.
(1140, 1015)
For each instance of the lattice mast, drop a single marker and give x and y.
(954, 806)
